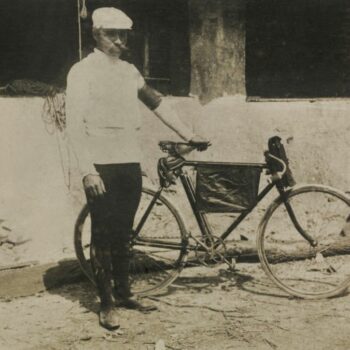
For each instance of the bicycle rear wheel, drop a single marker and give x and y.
(290, 260)
(158, 251)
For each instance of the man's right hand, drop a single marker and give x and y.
(93, 186)
(200, 143)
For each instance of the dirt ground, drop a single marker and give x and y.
(206, 308)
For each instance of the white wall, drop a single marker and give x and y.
(32, 191)
(36, 203)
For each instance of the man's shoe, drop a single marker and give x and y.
(133, 304)
(109, 317)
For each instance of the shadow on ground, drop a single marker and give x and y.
(63, 279)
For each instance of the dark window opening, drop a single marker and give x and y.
(38, 40)
(298, 49)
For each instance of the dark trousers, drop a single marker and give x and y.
(112, 217)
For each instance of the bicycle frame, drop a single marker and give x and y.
(200, 216)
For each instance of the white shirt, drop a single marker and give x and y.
(103, 116)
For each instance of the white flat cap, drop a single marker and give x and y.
(110, 18)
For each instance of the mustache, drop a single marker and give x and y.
(122, 47)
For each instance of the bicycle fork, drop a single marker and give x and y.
(313, 242)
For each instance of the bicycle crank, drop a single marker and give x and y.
(215, 253)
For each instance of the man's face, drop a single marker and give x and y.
(111, 41)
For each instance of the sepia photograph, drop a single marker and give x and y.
(175, 174)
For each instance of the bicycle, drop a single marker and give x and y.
(300, 242)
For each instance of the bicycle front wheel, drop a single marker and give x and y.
(158, 250)
(287, 256)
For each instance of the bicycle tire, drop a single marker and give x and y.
(288, 258)
(160, 275)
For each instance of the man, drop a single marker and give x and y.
(103, 121)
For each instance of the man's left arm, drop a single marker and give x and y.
(164, 111)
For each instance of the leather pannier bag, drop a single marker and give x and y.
(226, 188)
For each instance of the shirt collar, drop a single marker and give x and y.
(101, 55)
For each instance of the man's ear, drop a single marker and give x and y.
(95, 33)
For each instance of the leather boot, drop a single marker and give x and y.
(108, 317)
(120, 254)
(101, 266)
(132, 303)
(122, 293)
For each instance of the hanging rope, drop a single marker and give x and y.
(65, 158)
(54, 114)
(82, 14)
(54, 118)
(79, 32)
